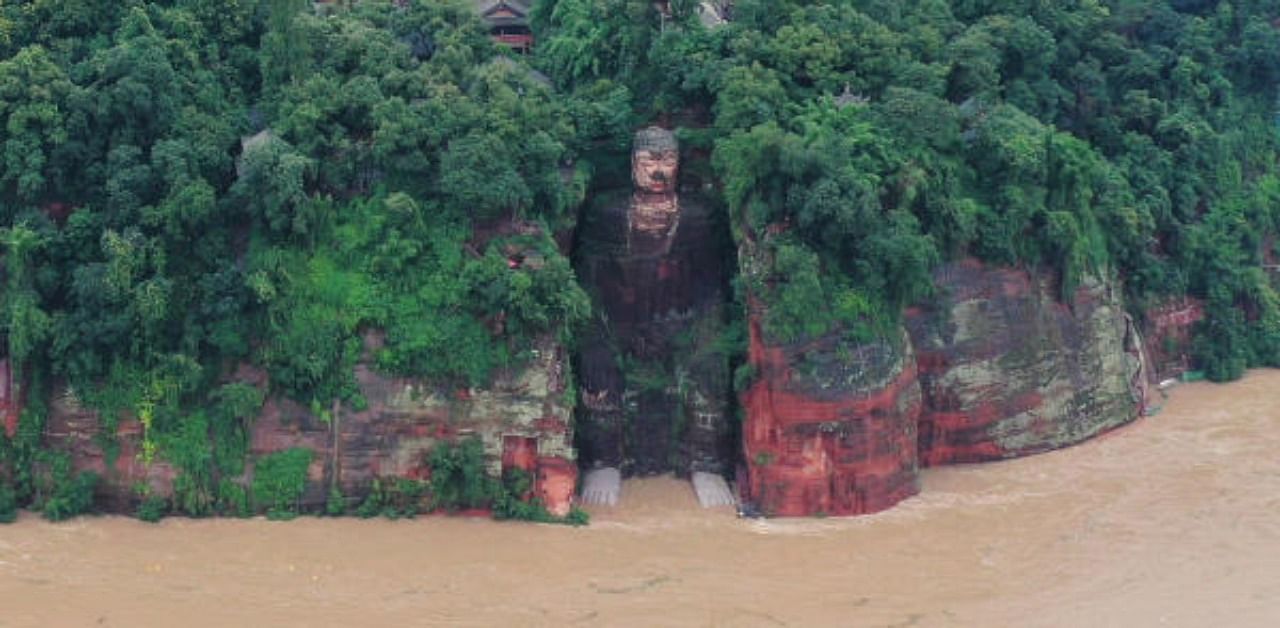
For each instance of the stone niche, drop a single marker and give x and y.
(655, 386)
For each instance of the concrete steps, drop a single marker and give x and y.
(713, 491)
(601, 487)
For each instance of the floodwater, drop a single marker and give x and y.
(1174, 521)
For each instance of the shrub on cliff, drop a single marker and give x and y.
(459, 476)
(71, 496)
(460, 480)
(279, 480)
(8, 504)
(394, 498)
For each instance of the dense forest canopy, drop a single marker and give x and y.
(191, 185)
(188, 186)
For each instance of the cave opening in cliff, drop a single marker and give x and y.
(654, 365)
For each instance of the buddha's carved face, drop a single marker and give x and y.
(655, 171)
(655, 161)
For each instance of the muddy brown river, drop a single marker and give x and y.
(1174, 521)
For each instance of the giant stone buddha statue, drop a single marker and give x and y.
(654, 386)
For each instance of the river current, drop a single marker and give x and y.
(1173, 521)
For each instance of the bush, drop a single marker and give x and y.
(743, 377)
(459, 481)
(458, 477)
(186, 445)
(393, 498)
(336, 505)
(8, 505)
(152, 509)
(577, 517)
(71, 497)
(513, 502)
(798, 308)
(278, 482)
(233, 499)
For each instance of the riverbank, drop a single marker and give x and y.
(1174, 521)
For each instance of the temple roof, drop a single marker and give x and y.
(503, 12)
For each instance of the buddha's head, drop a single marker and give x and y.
(655, 160)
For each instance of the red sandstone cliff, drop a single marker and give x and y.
(1167, 329)
(521, 419)
(839, 439)
(996, 367)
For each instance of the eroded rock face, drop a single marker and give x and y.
(830, 429)
(522, 420)
(1007, 369)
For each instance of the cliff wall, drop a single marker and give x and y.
(1008, 369)
(826, 434)
(996, 367)
(1167, 329)
(522, 419)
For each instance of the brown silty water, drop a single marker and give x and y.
(1174, 521)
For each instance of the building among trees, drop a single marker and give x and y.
(508, 22)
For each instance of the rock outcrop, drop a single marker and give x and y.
(1008, 369)
(996, 367)
(521, 418)
(830, 430)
